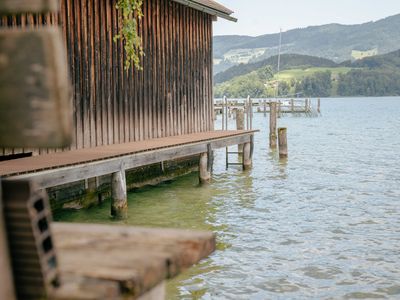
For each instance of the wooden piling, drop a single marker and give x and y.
(204, 170)
(272, 124)
(279, 108)
(319, 106)
(240, 124)
(119, 201)
(265, 108)
(247, 160)
(282, 138)
(292, 104)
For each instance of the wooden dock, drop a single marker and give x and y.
(66, 167)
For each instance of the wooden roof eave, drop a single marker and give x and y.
(207, 9)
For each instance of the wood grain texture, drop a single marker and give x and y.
(33, 6)
(141, 257)
(35, 108)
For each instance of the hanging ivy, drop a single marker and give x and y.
(131, 12)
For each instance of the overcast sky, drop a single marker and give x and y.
(258, 17)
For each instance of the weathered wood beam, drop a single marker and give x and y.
(66, 175)
(24, 6)
(7, 284)
(35, 108)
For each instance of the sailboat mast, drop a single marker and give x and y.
(279, 61)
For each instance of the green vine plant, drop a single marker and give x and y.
(131, 13)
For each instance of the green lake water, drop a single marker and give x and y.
(325, 224)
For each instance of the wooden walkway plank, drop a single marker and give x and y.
(141, 260)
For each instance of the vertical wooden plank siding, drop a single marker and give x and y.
(172, 95)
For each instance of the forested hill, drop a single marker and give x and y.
(314, 77)
(288, 61)
(333, 41)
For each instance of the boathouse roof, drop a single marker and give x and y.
(211, 7)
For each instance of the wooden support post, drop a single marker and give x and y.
(319, 106)
(240, 124)
(6, 277)
(204, 171)
(223, 113)
(292, 105)
(247, 157)
(272, 124)
(119, 201)
(91, 186)
(306, 105)
(282, 137)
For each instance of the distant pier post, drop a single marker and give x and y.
(272, 124)
(319, 106)
(265, 108)
(119, 197)
(279, 108)
(282, 138)
(292, 105)
(247, 159)
(204, 168)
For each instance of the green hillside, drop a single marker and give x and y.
(333, 41)
(288, 61)
(371, 76)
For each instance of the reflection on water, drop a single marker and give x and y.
(325, 223)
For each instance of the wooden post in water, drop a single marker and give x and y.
(272, 124)
(223, 113)
(204, 170)
(119, 198)
(265, 108)
(247, 160)
(279, 108)
(292, 104)
(319, 106)
(282, 138)
(240, 124)
(306, 105)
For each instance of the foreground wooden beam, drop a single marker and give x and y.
(32, 6)
(130, 261)
(35, 106)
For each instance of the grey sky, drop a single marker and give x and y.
(258, 17)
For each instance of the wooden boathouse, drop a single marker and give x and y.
(121, 120)
(124, 119)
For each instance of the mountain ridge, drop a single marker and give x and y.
(332, 41)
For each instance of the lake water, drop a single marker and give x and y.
(325, 224)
